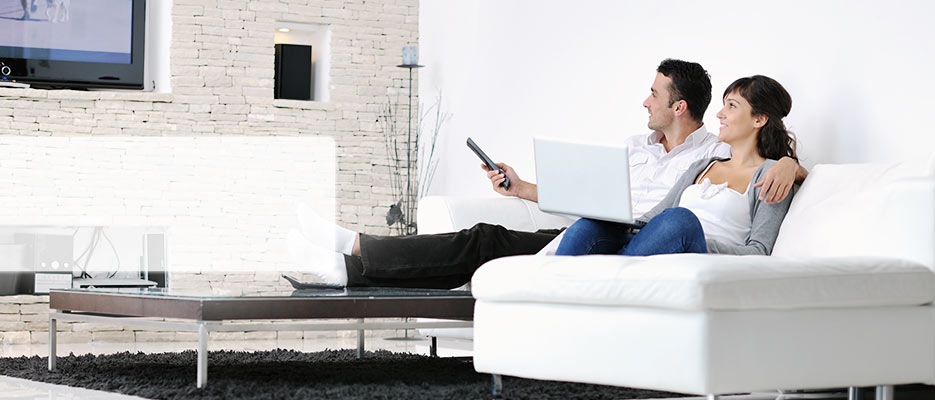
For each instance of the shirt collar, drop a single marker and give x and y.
(698, 136)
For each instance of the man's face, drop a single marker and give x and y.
(661, 114)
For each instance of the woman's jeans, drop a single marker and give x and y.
(675, 230)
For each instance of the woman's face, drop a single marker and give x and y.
(737, 119)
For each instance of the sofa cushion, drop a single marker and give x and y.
(706, 281)
(863, 210)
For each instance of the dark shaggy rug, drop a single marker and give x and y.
(286, 374)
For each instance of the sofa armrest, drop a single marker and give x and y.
(438, 214)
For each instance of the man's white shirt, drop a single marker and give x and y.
(653, 170)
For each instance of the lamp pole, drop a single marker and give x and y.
(410, 207)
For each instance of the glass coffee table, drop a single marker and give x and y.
(191, 311)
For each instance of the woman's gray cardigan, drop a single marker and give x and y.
(766, 217)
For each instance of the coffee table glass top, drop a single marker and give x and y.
(219, 294)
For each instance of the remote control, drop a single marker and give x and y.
(311, 285)
(488, 162)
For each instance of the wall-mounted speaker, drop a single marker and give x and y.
(293, 72)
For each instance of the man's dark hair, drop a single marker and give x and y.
(690, 82)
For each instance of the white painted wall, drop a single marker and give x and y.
(859, 72)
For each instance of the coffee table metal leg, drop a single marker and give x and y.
(360, 340)
(53, 355)
(853, 393)
(885, 392)
(202, 380)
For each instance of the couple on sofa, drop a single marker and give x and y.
(697, 193)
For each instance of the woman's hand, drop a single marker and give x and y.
(778, 180)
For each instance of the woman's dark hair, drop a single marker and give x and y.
(769, 98)
(690, 82)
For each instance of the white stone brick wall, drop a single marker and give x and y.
(222, 83)
(228, 202)
(221, 61)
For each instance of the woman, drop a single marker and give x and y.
(713, 208)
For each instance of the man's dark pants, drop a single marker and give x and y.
(443, 261)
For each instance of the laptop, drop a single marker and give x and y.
(585, 180)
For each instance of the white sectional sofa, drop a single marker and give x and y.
(844, 301)
(441, 214)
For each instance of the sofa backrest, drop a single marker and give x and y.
(438, 214)
(863, 210)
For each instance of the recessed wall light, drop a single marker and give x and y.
(284, 30)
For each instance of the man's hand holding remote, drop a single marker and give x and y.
(518, 187)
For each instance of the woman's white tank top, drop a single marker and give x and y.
(724, 213)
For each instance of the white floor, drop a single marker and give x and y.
(19, 389)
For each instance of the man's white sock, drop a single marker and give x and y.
(325, 264)
(325, 233)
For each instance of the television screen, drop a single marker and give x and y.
(70, 42)
(66, 30)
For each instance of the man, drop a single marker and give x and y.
(678, 98)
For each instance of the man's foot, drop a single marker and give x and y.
(325, 233)
(328, 266)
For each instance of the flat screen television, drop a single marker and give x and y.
(73, 43)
